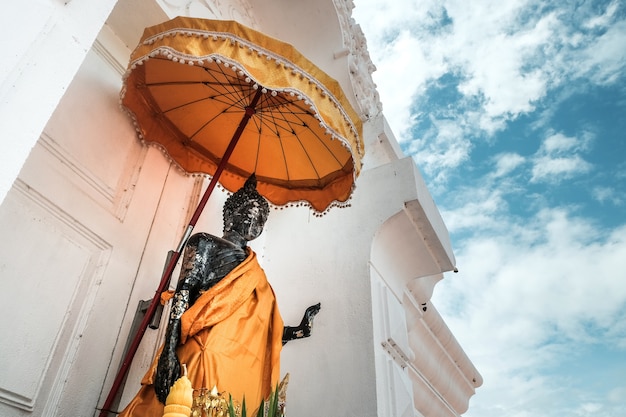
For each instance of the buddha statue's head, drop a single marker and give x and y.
(246, 211)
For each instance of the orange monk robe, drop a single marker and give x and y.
(231, 338)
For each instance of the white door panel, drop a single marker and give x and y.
(81, 229)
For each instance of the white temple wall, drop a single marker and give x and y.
(330, 264)
(78, 226)
(43, 44)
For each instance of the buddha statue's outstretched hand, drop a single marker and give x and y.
(304, 328)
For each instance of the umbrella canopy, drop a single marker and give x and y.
(191, 81)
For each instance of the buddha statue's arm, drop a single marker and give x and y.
(168, 368)
(195, 277)
(304, 328)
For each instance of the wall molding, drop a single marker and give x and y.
(115, 199)
(54, 372)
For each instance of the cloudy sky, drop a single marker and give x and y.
(515, 112)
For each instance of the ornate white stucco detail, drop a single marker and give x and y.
(359, 62)
(239, 10)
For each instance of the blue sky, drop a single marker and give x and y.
(515, 113)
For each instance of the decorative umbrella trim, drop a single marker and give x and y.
(299, 203)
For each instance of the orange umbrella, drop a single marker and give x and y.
(228, 101)
(192, 81)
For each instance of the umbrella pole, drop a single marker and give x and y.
(165, 279)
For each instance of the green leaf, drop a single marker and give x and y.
(261, 409)
(231, 407)
(273, 411)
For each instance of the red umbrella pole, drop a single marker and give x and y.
(165, 279)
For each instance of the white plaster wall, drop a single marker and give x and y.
(77, 225)
(43, 42)
(310, 259)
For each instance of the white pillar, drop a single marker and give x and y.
(42, 42)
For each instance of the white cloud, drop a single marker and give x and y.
(559, 143)
(588, 409)
(478, 210)
(506, 56)
(482, 45)
(559, 158)
(523, 295)
(604, 59)
(553, 169)
(402, 70)
(507, 163)
(617, 395)
(443, 147)
(608, 195)
(602, 20)
(495, 67)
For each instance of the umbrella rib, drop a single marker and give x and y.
(192, 82)
(324, 143)
(320, 139)
(227, 110)
(237, 101)
(276, 105)
(259, 122)
(272, 115)
(237, 90)
(234, 94)
(237, 105)
(258, 144)
(280, 142)
(208, 122)
(282, 122)
(189, 103)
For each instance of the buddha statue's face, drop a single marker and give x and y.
(247, 220)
